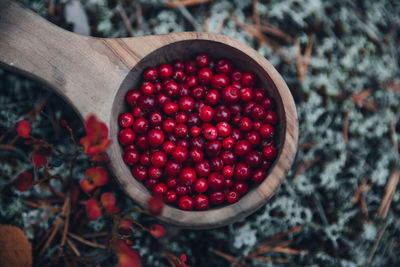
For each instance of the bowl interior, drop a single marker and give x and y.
(184, 50)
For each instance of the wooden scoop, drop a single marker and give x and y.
(94, 74)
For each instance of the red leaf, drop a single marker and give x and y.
(23, 129)
(157, 230)
(87, 185)
(155, 204)
(127, 257)
(125, 227)
(93, 209)
(96, 140)
(183, 259)
(24, 181)
(98, 175)
(102, 157)
(108, 202)
(39, 159)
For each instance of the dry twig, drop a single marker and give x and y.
(375, 246)
(304, 165)
(186, 3)
(281, 235)
(48, 215)
(52, 235)
(360, 98)
(125, 19)
(303, 60)
(256, 15)
(390, 188)
(87, 242)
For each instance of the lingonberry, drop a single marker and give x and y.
(267, 131)
(246, 94)
(150, 183)
(230, 94)
(242, 171)
(217, 197)
(201, 202)
(228, 157)
(191, 81)
(236, 75)
(165, 71)
(183, 142)
(172, 168)
(126, 136)
(198, 92)
(245, 124)
(204, 76)
(269, 152)
(148, 88)
(184, 90)
(125, 120)
(156, 118)
(141, 142)
(258, 112)
(182, 190)
(190, 67)
(213, 148)
(242, 147)
(155, 137)
(193, 119)
(271, 117)
(219, 81)
(131, 157)
(203, 168)
(169, 125)
(162, 99)
(232, 196)
(206, 113)
(200, 185)
(241, 187)
(171, 182)
(259, 176)
(210, 133)
(130, 147)
(228, 143)
(147, 102)
(160, 189)
(171, 88)
(238, 85)
(212, 97)
(140, 125)
(145, 159)
(158, 87)
(253, 138)
(248, 107)
(217, 164)
(186, 203)
(180, 154)
(223, 129)
(158, 159)
(139, 172)
(186, 103)
(196, 154)
(170, 108)
(202, 60)
(198, 142)
(224, 66)
(228, 183)
(171, 196)
(138, 112)
(181, 130)
(248, 79)
(133, 96)
(257, 125)
(236, 134)
(150, 74)
(181, 117)
(195, 131)
(178, 75)
(254, 158)
(179, 65)
(154, 172)
(216, 181)
(227, 171)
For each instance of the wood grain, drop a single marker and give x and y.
(94, 74)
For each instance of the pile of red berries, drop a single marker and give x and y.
(199, 132)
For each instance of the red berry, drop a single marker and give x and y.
(213, 148)
(171, 196)
(248, 79)
(158, 159)
(130, 147)
(181, 117)
(139, 172)
(232, 197)
(196, 154)
(181, 130)
(238, 85)
(228, 183)
(222, 113)
(242, 147)
(241, 187)
(212, 97)
(126, 136)
(269, 152)
(169, 126)
(219, 81)
(138, 112)
(141, 142)
(204, 76)
(154, 172)
(242, 171)
(267, 102)
(198, 92)
(206, 113)
(230, 94)
(236, 75)
(217, 197)
(178, 75)
(131, 157)
(227, 171)
(150, 183)
(171, 88)
(187, 176)
(228, 143)
(203, 168)
(148, 88)
(246, 94)
(125, 120)
(195, 131)
(156, 118)
(186, 103)
(216, 180)
(245, 124)
(254, 158)
(147, 102)
(210, 133)
(253, 138)
(171, 182)
(271, 117)
(160, 189)
(180, 154)
(172, 168)
(145, 159)
(223, 129)
(191, 81)
(155, 137)
(217, 164)
(224, 66)
(186, 203)
(200, 185)
(259, 176)
(178, 64)
(190, 67)
(170, 108)
(182, 190)
(133, 96)
(228, 157)
(198, 142)
(140, 125)
(164, 71)
(267, 131)
(168, 147)
(258, 112)
(150, 74)
(202, 60)
(201, 202)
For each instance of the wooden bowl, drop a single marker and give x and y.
(94, 75)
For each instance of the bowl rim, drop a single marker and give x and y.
(252, 200)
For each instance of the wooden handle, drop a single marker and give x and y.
(81, 69)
